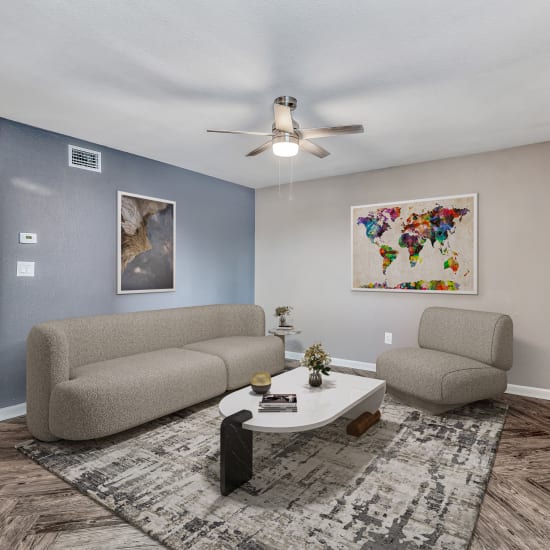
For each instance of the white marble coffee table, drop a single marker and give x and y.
(340, 395)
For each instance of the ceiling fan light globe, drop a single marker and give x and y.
(285, 149)
(285, 146)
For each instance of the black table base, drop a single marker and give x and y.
(235, 452)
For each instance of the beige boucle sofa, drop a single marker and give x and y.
(94, 376)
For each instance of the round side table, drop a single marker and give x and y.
(282, 332)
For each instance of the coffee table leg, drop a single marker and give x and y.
(366, 413)
(235, 452)
(362, 423)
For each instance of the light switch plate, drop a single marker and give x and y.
(28, 238)
(25, 269)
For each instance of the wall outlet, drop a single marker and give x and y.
(387, 337)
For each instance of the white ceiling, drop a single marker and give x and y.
(428, 78)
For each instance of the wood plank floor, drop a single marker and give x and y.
(516, 509)
(39, 511)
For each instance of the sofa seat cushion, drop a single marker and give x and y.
(245, 355)
(439, 377)
(107, 397)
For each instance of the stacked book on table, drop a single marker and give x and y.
(278, 402)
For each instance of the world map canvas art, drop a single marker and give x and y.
(427, 245)
(146, 244)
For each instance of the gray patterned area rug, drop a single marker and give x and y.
(412, 481)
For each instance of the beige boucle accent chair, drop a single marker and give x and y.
(95, 376)
(463, 357)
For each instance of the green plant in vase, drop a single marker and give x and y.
(317, 360)
(282, 312)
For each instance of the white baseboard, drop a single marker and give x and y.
(357, 365)
(528, 391)
(13, 411)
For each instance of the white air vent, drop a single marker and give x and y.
(84, 158)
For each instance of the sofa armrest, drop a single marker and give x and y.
(233, 320)
(255, 321)
(47, 366)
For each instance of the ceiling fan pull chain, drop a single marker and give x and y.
(290, 196)
(279, 178)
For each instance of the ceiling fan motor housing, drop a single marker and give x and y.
(287, 101)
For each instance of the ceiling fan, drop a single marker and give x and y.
(286, 136)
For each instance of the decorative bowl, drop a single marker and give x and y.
(261, 382)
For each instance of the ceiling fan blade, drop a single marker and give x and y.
(260, 149)
(283, 118)
(315, 133)
(239, 132)
(313, 148)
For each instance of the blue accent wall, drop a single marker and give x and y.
(74, 213)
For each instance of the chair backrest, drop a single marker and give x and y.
(479, 335)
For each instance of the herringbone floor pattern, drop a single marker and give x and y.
(39, 511)
(516, 509)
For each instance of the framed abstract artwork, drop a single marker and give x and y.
(426, 245)
(146, 249)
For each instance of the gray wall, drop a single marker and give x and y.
(303, 255)
(74, 213)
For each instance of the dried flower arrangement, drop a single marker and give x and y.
(317, 359)
(282, 312)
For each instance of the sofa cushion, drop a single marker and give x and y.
(245, 355)
(111, 396)
(439, 377)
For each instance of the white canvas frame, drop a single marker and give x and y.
(474, 291)
(119, 244)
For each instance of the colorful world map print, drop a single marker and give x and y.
(427, 245)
